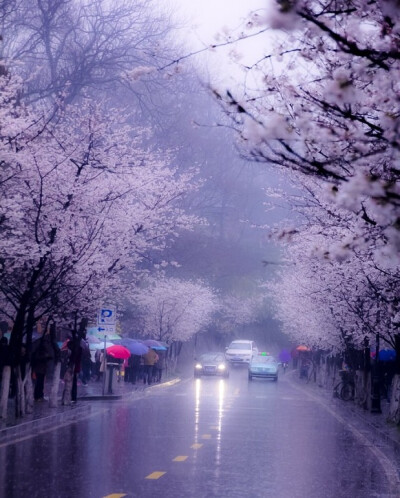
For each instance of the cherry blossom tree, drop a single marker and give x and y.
(323, 102)
(238, 310)
(174, 310)
(82, 204)
(353, 288)
(326, 296)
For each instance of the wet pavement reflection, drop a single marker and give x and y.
(203, 437)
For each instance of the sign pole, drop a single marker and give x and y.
(105, 365)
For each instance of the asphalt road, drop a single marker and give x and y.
(207, 437)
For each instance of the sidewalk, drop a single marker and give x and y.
(376, 422)
(44, 417)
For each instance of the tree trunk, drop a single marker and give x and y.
(53, 402)
(20, 398)
(394, 409)
(5, 388)
(361, 388)
(29, 390)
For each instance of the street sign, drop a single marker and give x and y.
(106, 329)
(107, 316)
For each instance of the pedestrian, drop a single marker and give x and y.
(74, 367)
(150, 359)
(97, 363)
(159, 366)
(134, 361)
(40, 357)
(141, 367)
(127, 370)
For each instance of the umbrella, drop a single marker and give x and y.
(134, 346)
(92, 339)
(385, 354)
(119, 352)
(302, 348)
(100, 345)
(285, 356)
(151, 343)
(127, 340)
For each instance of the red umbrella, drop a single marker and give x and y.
(302, 348)
(119, 352)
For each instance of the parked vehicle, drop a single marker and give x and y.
(211, 364)
(264, 366)
(241, 352)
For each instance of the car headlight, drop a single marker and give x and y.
(198, 366)
(221, 366)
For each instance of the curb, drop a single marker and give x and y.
(377, 422)
(128, 394)
(70, 414)
(43, 424)
(97, 397)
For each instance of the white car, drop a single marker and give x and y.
(240, 351)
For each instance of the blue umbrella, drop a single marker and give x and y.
(158, 346)
(134, 346)
(387, 354)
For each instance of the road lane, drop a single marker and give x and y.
(240, 439)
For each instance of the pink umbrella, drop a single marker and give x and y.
(118, 352)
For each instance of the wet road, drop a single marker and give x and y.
(203, 438)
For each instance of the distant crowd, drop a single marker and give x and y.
(88, 367)
(147, 368)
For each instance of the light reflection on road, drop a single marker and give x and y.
(221, 398)
(218, 393)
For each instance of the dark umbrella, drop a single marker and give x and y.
(151, 343)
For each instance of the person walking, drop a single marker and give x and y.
(42, 353)
(150, 359)
(97, 363)
(127, 370)
(159, 366)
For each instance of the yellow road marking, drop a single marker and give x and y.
(181, 458)
(155, 475)
(214, 427)
(206, 436)
(115, 495)
(196, 446)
